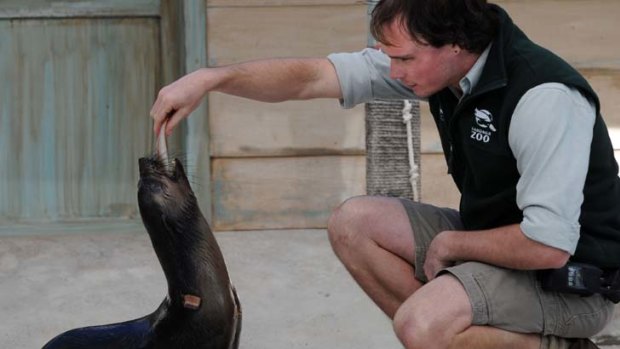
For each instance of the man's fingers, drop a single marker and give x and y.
(155, 108)
(159, 105)
(158, 119)
(174, 120)
(428, 274)
(161, 114)
(161, 109)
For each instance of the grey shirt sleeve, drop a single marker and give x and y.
(550, 135)
(365, 75)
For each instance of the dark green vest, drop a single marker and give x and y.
(474, 136)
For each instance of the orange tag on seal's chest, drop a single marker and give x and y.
(191, 302)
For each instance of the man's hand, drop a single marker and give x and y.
(437, 256)
(505, 246)
(177, 100)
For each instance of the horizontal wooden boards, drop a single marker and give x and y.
(584, 32)
(239, 34)
(270, 3)
(276, 193)
(74, 115)
(58, 8)
(240, 127)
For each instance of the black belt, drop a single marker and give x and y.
(583, 279)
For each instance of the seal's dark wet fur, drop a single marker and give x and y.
(193, 265)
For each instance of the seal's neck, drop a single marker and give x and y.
(191, 259)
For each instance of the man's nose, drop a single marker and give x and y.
(396, 72)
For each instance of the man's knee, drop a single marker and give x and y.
(433, 315)
(344, 222)
(412, 329)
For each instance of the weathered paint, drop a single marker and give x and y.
(279, 193)
(58, 9)
(197, 130)
(74, 115)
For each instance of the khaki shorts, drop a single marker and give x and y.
(505, 298)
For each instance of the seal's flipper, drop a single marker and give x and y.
(130, 334)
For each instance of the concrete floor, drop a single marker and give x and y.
(294, 292)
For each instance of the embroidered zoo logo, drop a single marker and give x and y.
(485, 128)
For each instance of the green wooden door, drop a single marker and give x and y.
(78, 79)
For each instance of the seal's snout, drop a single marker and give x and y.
(150, 166)
(150, 176)
(157, 178)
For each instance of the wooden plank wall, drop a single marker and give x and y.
(287, 165)
(307, 156)
(63, 8)
(74, 118)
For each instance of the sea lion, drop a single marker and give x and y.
(201, 310)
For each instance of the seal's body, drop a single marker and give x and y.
(201, 310)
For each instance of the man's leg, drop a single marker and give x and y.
(373, 238)
(486, 337)
(439, 316)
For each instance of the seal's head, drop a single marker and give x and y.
(163, 188)
(164, 191)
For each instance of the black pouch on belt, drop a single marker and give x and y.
(583, 279)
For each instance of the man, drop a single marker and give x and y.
(525, 144)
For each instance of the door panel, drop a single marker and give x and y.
(74, 115)
(76, 8)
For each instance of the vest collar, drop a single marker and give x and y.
(472, 77)
(494, 72)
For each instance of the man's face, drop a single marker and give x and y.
(423, 68)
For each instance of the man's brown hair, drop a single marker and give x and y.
(470, 24)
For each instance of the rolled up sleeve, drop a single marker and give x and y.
(550, 135)
(364, 76)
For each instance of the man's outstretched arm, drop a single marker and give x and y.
(270, 80)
